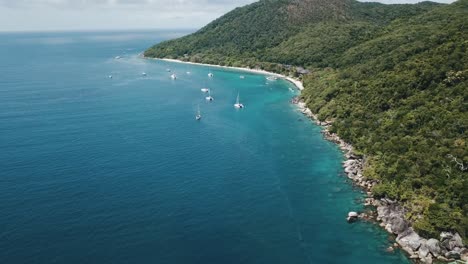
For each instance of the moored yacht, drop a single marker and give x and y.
(173, 76)
(209, 97)
(205, 90)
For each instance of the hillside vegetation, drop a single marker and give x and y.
(392, 78)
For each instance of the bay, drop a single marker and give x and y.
(117, 170)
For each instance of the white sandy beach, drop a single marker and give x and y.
(297, 83)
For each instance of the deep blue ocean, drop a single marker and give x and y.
(117, 170)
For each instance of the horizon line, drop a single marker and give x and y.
(96, 30)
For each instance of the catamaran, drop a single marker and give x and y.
(198, 116)
(238, 104)
(272, 78)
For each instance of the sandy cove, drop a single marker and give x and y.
(296, 82)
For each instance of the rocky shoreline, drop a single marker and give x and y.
(390, 215)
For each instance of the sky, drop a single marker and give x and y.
(68, 15)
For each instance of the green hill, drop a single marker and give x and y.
(255, 33)
(392, 78)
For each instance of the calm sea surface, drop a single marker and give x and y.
(101, 170)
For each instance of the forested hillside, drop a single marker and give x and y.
(257, 32)
(392, 78)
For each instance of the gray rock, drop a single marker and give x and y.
(410, 239)
(453, 255)
(456, 241)
(388, 227)
(388, 201)
(399, 225)
(464, 257)
(442, 258)
(349, 163)
(406, 233)
(383, 211)
(445, 235)
(434, 246)
(464, 251)
(451, 241)
(423, 250)
(427, 259)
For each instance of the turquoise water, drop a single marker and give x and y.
(100, 170)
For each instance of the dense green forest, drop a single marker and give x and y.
(392, 78)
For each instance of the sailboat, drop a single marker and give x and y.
(210, 75)
(209, 97)
(198, 116)
(173, 76)
(238, 104)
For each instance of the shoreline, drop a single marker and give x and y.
(298, 84)
(389, 215)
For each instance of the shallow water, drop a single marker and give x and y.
(100, 170)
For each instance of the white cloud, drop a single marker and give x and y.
(406, 1)
(18, 15)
